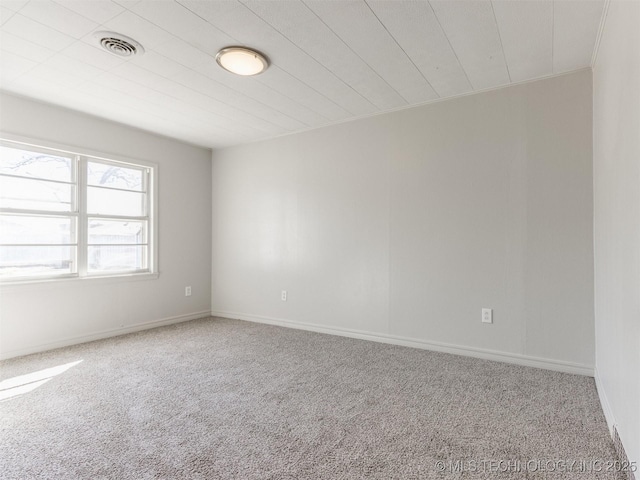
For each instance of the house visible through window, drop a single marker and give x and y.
(65, 214)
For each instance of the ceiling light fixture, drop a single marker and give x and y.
(242, 61)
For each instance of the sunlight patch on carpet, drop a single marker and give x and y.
(22, 384)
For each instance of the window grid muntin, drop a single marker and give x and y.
(72, 195)
(80, 217)
(73, 225)
(71, 214)
(73, 250)
(144, 170)
(47, 151)
(145, 209)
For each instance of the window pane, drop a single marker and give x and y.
(115, 202)
(114, 176)
(25, 193)
(117, 231)
(31, 260)
(16, 161)
(117, 258)
(32, 230)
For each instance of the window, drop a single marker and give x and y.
(64, 214)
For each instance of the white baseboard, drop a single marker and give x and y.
(113, 332)
(614, 428)
(485, 354)
(514, 358)
(604, 401)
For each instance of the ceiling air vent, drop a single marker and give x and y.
(118, 44)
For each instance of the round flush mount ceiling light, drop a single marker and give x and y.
(242, 61)
(118, 44)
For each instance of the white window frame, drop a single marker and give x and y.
(81, 157)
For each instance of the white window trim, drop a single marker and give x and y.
(153, 272)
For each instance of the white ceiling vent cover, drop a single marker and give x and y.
(118, 44)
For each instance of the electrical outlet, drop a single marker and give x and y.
(283, 295)
(487, 315)
(187, 291)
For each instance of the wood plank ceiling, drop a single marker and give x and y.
(331, 60)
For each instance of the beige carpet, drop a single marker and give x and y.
(225, 399)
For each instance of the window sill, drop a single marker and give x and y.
(89, 280)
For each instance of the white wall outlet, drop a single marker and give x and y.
(487, 315)
(187, 291)
(283, 295)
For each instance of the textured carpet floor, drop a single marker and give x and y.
(225, 399)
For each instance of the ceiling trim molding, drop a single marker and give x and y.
(603, 21)
(408, 107)
(93, 116)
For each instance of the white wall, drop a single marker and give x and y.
(38, 316)
(616, 128)
(404, 225)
